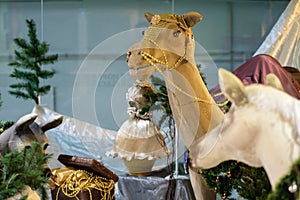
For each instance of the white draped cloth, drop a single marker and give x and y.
(78, 138)
(283, 41)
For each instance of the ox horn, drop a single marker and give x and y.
(51, 124)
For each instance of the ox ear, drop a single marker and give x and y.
(149, 16)
(192, 18)
(233, 87)
(51, 124)
(273, 81)
(24, 122)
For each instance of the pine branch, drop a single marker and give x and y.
(19, 94)
(20, 56)
(20, 42)
(45, 74)
(25, 75)
(49, 59)
(20, 86)
(43, 48)
(44, 90)
(19, 169)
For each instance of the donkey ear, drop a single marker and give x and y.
(192, 18)
(233, 87)
(273, 81)
(148, 16)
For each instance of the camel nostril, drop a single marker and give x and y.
(128, 55)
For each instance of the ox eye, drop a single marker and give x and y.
(176, 33)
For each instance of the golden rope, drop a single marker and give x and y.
(150, 58)
(147, 57)
(82, 180)
(165, 57)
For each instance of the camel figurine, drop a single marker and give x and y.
(25, 131)
(168, 48)
(261, 128)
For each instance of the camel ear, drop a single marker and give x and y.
(149, 16)
(192, 18)
(232, 87)
(273, 81)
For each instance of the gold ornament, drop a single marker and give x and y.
(155, 19)
(75, 181)
(293, 188)
(151, 59)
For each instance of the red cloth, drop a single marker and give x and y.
(255, 71)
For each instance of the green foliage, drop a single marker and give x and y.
(249, 182)
(21, 168)
(28, 66)
(5, 125)
(281, 191)
(253, 183)
(159, 98)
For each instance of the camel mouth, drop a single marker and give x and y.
(141, 72)
(139, 67)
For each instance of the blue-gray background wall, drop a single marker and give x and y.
(91, 33)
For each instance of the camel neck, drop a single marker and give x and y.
(190, 99)
(186, 79)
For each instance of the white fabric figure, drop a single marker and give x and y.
(139, 138)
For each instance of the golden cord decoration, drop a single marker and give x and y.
(150, 58)
(147, 57)
(82, 180)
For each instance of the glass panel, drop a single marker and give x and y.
(92, 37)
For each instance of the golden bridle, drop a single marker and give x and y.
(152, 60)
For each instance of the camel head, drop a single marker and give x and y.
(167, 43)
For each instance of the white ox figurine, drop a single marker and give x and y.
(261, 128)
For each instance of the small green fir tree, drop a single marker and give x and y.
(28, 66)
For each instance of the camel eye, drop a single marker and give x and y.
(176, 33)
(143, 32)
